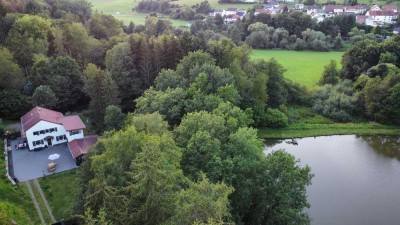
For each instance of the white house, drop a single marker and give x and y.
(43, 128)
(217, 11)
(231, 19)
(375, 8)
(333, 9)
(230, 11)
(299, 6)
(357, 9)
(392, 8)
(379, 18)
(313, 9)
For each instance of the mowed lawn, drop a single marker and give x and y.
(60, 190)
(304, 67)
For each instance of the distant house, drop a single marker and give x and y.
(216, 12)
(375, 8)
(299, 6)
(230, 11)
(333, 9)
(360, 19)
(356, 9)
(312, 9)
(241, 13)
(231, 19)
(265, 11)
(396, 30)
(379, 18)
(44, 127)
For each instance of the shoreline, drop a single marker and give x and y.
(327, 130)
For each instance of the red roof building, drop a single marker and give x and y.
(80, 147)
(392, 8)
(72, 123)
(44, 127)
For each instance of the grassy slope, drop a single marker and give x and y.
(12, 194)
(304, 67)
(59, 191)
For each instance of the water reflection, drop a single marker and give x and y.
(357, 178)
(385, 145)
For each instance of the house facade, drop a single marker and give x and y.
(379, 18)
(357, 9)
(42, 128)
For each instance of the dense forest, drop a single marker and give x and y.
(178, 110)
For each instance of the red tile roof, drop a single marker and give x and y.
(356, 7)
(382, 13)
(38, 114)
(361, 19)
(263, 11)
(80, 147)
(72, 123)
(390, 7)
(331, 8)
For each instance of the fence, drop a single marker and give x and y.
(8, 163)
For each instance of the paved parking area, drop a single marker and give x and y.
(29, 165)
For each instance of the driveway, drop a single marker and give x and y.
(29, 165)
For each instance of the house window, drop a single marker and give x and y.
(51, 130)
(34, 143)
(42, 142)
(65, 137)
(55, 128)
(57, 138)
(36, 133)
(42, 132)
(74, 132)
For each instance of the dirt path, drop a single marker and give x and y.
(28, 185)
(36, 182)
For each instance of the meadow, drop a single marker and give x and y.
(303, 67)
(122, 9)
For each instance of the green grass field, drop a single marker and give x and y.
(60, 190)
(303, 67)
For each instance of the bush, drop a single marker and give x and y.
(336, 102)
(14, 104)
(275, 119)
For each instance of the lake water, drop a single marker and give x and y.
(357, 178)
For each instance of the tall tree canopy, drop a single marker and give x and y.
(30, 35)
(102, 90)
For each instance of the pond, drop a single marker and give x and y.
(357, 178)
